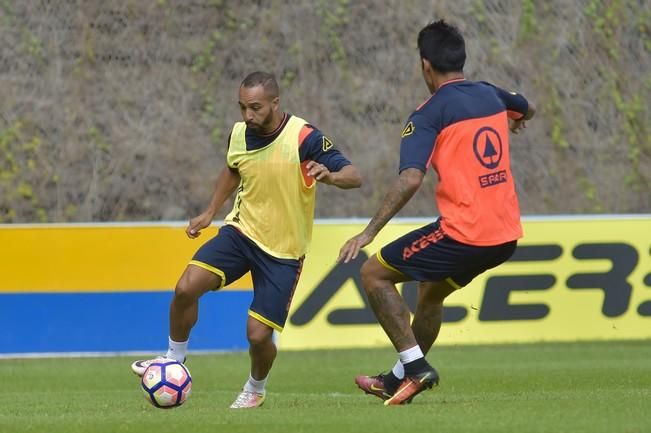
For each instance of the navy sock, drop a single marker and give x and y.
(416, 366)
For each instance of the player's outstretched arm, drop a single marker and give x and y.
(399, 194)
(227, 182)
(346, 178)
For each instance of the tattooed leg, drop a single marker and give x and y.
(429, 312)
(388, 305)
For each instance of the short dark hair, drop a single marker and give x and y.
(264, 79)
(442, 45)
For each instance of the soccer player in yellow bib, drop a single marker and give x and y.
(274, 162)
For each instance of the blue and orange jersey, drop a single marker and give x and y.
(462, 132)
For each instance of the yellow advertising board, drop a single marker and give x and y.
(97, 257)
(570, 279)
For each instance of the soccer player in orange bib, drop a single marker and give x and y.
(274, 162)
(462, 132)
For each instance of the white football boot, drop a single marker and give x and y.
(248, 400)
(139, 367)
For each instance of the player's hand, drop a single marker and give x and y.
(351, 248)
(516, 125)
(319, 172)
(197, 224)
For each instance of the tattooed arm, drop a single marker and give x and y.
(400, 193)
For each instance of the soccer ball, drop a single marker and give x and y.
(166, 383)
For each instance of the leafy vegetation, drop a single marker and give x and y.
(121, 111)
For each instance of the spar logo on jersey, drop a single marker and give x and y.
(487, 145)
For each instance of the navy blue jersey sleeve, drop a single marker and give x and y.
(516, 104)
(417, 145)
(317, 147)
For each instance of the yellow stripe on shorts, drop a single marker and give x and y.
(453, 283)
(212, 269)
(385, 264)
(266, 321)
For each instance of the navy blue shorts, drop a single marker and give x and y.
(231, 254)
(428, 254)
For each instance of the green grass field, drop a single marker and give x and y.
(580, 387)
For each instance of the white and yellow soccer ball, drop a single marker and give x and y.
(166, 383)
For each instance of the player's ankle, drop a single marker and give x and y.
(177, 350)
(416, 366)
(254, 385)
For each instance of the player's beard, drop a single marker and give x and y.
(261, 128)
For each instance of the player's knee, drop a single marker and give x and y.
(259, 337)
(369, 276)
(186, 291)
(194, 283)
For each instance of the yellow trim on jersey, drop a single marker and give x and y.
(212, 269)
(453, 283)
(385, 264)
(267, 322)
